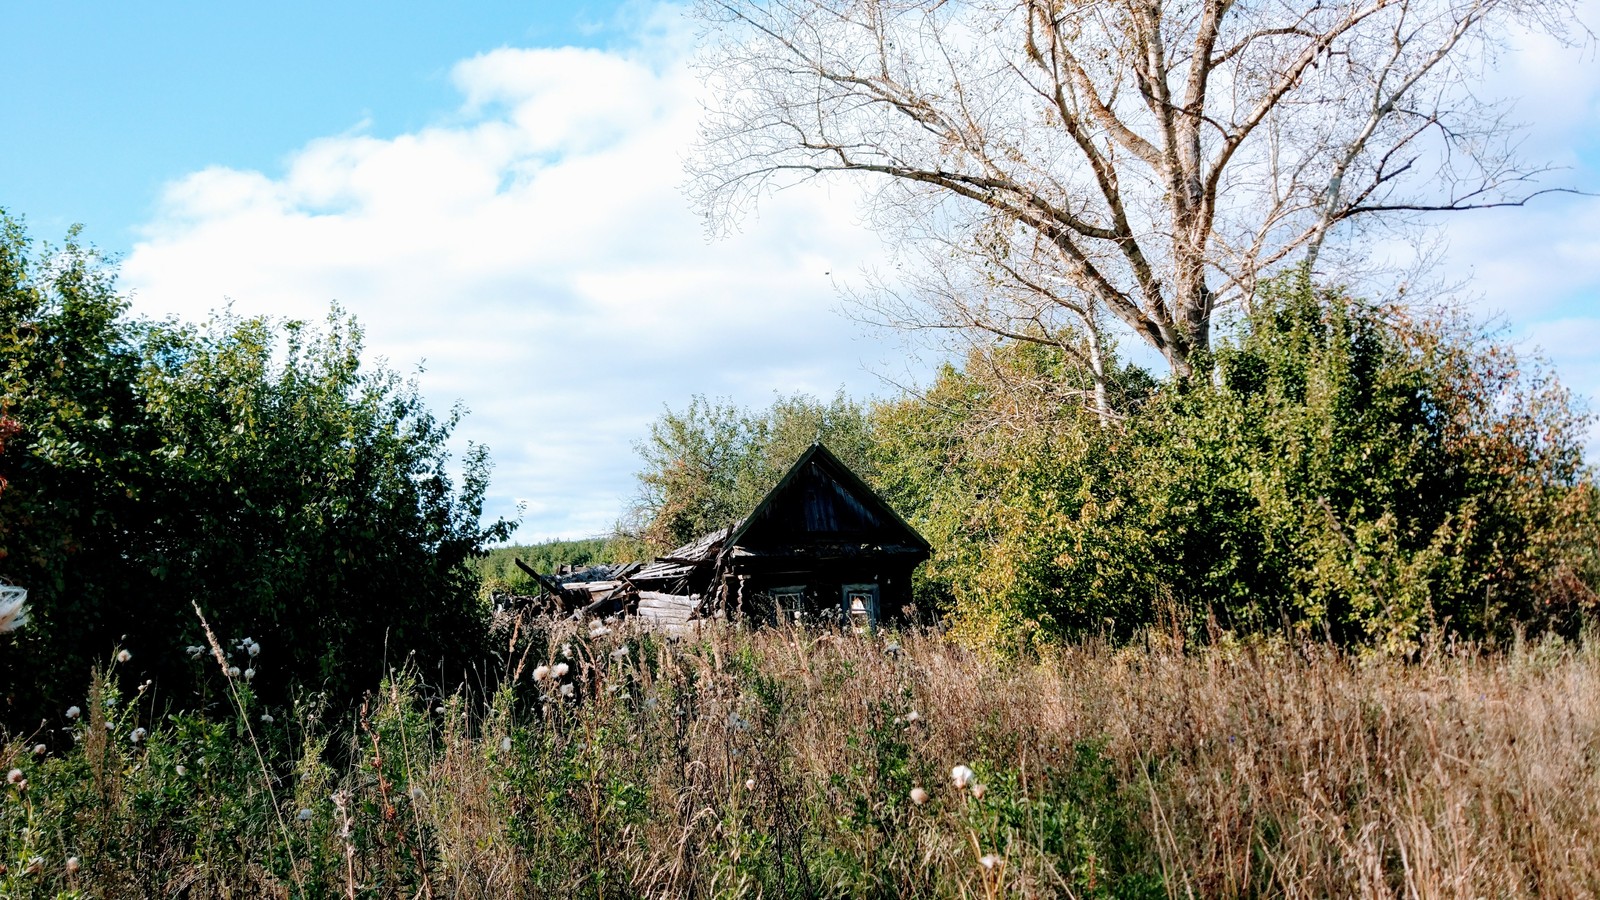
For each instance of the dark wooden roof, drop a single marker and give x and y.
(818, 511)
(820, 506)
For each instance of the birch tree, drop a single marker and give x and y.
(1062, 164)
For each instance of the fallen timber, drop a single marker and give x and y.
(587, 593)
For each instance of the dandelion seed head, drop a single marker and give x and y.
(138, 735)
(249, 674)
(254, 649)
(304, 815)
(14, 776)
(978, 791)
(913, 717)
(919, 796)
(417, 793)
(961, 776)
(559, 670)
(38, 749)
(505, 745)
(194, 651)
(72, 865)
(181, 769)
(267, 718)
(566, 651)
(749, 784)
(13, 612)
(233, 671)
(566, 690)
(123, 656)
(989, 861)
(541, 673)
(73, 712)
(439, 710)
(620, 652)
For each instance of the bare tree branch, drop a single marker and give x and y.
(1146, 159)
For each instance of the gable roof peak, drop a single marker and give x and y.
(859, 491)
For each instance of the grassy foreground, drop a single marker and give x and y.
(786, 763)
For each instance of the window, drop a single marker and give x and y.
(788, 603)
(860, 605)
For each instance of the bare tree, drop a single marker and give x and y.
(1150, 160)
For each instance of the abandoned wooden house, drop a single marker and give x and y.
(821, 547)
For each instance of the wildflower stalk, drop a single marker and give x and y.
(390, 810)
(261, 759)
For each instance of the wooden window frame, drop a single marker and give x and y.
(798, 591)
(874, 610)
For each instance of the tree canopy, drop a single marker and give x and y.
(1335, 469)
(255, 467)
(708, 466)
(1055, 166)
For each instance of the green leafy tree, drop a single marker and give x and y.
(1335, 468)
(709, 466)
(79, 460)
(253, 467)
(1370, 475)
(1023, 494)
(310, 502)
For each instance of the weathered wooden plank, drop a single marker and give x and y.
(670, 613)
(650, 618)
(663, 622)
(593, 587)
(663, 600)
(673, 608)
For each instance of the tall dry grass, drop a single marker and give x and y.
(790, 763)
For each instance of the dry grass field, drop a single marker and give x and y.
(786, 763)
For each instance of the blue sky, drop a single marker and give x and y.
(107, 102)
(496, 193)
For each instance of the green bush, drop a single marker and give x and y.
(256, 468)
(1335, 468)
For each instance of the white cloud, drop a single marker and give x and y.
(534, 249)
(532, 246)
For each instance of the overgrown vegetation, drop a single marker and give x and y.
(253, 466)
(796, 763)
(1262, 630)
(708, 466)
(498, 573)
(1335, 469)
